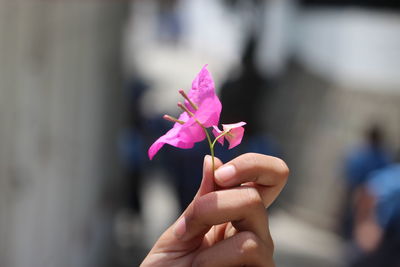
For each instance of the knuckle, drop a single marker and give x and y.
(197, 210)
(252, 197)
(253, 158)
(248, 244)
(247, 161)
(282, 168)
(201, 207)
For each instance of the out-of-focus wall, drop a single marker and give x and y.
(346, 79)
(357, 48)
(317, 121)
(60, 84)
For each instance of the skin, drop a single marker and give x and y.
(367, 232)
(226, 224)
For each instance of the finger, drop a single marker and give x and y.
(241, 205)
(269, 172)
(242, 249)
(252, 167)
(208, 183)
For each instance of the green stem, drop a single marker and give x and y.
(218, 137)
(211, 144)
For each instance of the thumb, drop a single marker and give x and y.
(208, 183)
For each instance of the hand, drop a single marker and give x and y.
(368, 233)
(227, 227)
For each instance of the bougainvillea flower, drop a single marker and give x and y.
(234, 133)
(202, 100)
(202, 108)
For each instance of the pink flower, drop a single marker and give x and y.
(234, 133)
(202, 108)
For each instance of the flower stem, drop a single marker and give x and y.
(218, 137)
(211, 144)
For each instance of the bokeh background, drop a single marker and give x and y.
(84, 84)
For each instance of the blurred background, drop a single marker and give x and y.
(84, 85)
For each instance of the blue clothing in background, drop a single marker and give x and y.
(385, 186)
(361, 162)
(132, 149)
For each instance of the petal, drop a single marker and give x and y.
(236, 132)
(172, 138)
(154, 148)
(202, 85)
(203, 95)
(235, 137)
(216, 131)
(228, 127)
(209, 111)
(183, 117)
(182, 136)
(192, 131)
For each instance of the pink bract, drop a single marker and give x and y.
(207, 114)
(234, 134)
(204, 96)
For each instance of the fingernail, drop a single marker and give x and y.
(205, 162)
(225, 173)
(180, 228)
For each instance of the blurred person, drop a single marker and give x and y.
(184, 167)
(360, 162)
(169, 22)
(229, 226)
(243, 96)
(377, 218)
(132, 142)
(370, 156)
(243, 93)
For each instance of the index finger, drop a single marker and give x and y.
(269, 174)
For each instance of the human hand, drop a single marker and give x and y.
(227, 227)
(368, 233)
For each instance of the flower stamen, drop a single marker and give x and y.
(228, 133)
(188, 99)
(184, 108)
(172, 119)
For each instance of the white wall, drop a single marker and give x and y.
(356, 48)
(59, 73)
